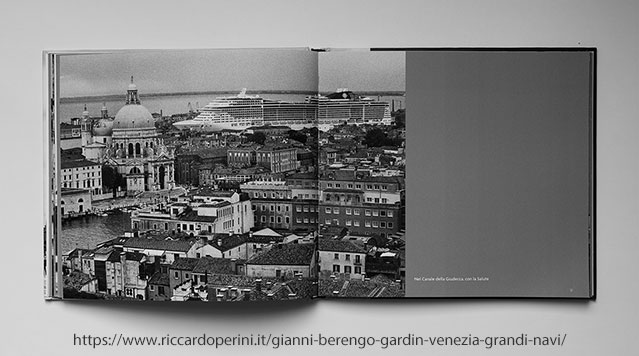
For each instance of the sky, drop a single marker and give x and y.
(166, 71)
(361, 70)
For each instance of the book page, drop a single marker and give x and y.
(501, 173)
(176, 175)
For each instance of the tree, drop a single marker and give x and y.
(297, 136)
(400, 118)
(112, 179)
(258, 137)
(375, 138)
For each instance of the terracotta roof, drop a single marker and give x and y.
(159, 278)
(285, 254)
(185, 263)
(339, 246)
(210, 265)
(158, 244)
(66, 164)
(193, 216)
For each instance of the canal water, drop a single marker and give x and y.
(86, 232)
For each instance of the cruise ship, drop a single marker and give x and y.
(242, 111)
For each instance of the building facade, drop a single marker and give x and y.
(271, 203)
(362, 204)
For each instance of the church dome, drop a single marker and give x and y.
(104, 127)
(133, 116)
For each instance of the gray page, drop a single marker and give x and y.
(498, 173)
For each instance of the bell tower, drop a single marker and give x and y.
(85, 127)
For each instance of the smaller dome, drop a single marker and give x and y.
(104, 127)
(133, 87)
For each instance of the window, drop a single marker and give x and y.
(382, 224)
(337, 185)
(350, 185)
(382, 213)
(348, 257)
(335, 222)
(336, 256)
(327, 221)
(349, 222)
(330, 185)
(367, 223)
(287, 220)
(335, 210)
(151, 287)
(160, 290)
(279, 219)
(356, 211)
(358, 186)
(327, 210)
(375, 212)
(367, 212)
(263, 218)
(376, 186)
(390, 225)
(375, 224)
(186, 275)
(272, 219)
(384, 201)
(176, 274)
(356, 223)
(369, 186)
(298, 209)
(384, 187)
(336, 268)
(358, 270)
(348, 211)
(390, 213)
(369, 199)
(347, 269)
(306, 209)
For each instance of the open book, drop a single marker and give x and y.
(282, 174)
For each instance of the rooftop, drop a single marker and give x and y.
(66, 164)
(339, 246)
(210, 265)
(150, 243)
(285, 254)
(159, 278)
(185, 263)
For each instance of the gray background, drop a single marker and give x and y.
(607, 326)
(498, 173)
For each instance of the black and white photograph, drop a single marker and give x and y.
(228, 175)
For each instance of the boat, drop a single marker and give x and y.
(243, 111)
